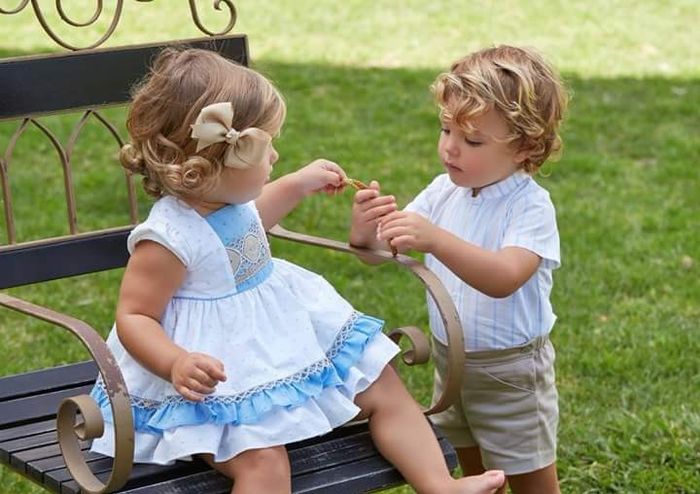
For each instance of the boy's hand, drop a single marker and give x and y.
(407, 231)
(321, 175)
(368, 208)
(194, 375)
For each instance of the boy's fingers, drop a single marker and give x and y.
(402, 242)
(374, 185)
(378, 212)
(365, 195)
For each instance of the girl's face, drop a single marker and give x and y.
(237, 185)
(477, 159)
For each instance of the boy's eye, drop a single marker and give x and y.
(445, 130)
(472, 142)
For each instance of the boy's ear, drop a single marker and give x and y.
(521, 156)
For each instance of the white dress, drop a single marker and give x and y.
(295, 353)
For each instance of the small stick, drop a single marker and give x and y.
(358, 185)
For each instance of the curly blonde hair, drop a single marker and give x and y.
(520, 85)
(166, 103)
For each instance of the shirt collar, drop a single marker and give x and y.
(501, 188)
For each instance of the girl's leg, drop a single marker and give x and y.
(542, 481)
(404, 437)
(470, 461)
(257, 470)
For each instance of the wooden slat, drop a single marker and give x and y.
(42, 381)
(53, 83)
(27, 430)
(62, 258)
(34, 408)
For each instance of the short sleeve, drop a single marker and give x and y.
(532, 225)
(163, 233)
(424, 203)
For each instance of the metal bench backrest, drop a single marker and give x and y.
(84, 80)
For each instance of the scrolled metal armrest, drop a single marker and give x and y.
(437, 291)
(92, 425)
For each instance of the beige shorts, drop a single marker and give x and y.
(508, 406)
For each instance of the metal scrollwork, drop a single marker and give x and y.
(19, 8)
(119, 4)
(217, 6)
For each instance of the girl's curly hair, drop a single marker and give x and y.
(166, 103)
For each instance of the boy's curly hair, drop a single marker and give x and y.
(166, 103)
(520, 85)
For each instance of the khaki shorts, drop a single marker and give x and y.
(508, 406)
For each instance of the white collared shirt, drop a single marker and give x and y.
(514, 212)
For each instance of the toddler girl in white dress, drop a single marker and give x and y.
(229, 354)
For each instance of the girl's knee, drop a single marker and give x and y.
(271, 464)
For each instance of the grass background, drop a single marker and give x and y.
(356, 77)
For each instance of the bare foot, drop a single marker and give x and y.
(486, 483)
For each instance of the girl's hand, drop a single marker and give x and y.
(405, 231)
(321, 175)
(368, 208)
(194, 375)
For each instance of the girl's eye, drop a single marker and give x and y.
(445, 131)
(472, 142)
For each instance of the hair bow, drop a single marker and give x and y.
(246, 148)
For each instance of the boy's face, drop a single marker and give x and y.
(476, 159)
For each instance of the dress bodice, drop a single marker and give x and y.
(240, 231)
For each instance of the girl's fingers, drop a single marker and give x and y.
(213, 370)
(204, 378)
(188, 394)
(194, 385)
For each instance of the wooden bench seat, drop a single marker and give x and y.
(344, 460)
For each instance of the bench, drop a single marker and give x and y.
(46, 419)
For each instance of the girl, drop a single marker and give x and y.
(229, 354)
(491, 236)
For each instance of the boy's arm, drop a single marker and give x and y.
(496, 274)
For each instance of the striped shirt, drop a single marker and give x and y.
(514, 212)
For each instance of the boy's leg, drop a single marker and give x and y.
(404, 437)
(541, 481)
(257, 470)
(470, 461)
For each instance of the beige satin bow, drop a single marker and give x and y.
(246, 148)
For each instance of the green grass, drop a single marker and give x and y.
(356, 76)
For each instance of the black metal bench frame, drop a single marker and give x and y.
(46, 419)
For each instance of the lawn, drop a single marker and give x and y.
(356, 78)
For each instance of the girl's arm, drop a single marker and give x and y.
(496, 274)
(280, 197)
(153, 275)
